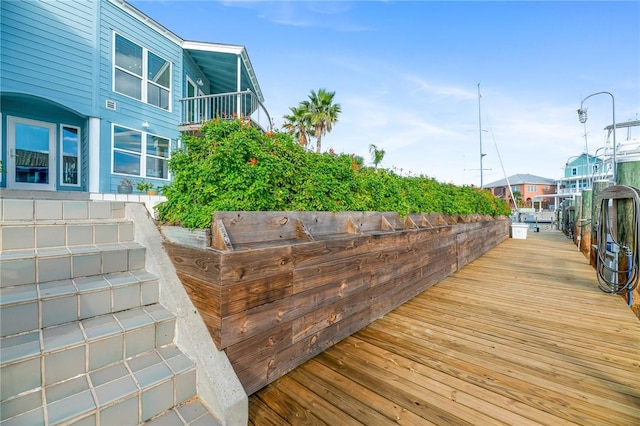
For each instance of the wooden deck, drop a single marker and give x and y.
(520, 336)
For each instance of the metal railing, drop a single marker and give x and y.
(225, 106)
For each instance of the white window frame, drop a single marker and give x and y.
(10, 167)
(198, 107)
(143, 153)
(4, 165)
(61, 148)
(145, 68)
(532, 188)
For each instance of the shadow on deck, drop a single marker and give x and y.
(520, 336)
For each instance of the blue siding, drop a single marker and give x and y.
(56, 59)
(194, 72)
(132, 112)
(48, 50)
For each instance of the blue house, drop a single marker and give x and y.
(94, 92)
(580, 172)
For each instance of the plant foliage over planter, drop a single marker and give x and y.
(235, 167)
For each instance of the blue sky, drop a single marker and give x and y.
(406, 74)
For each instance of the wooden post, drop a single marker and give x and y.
(598, 186)
(577, 214)
(585, 222)
(628, 173)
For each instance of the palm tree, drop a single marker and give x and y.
(322, 112)
(298, 124)
(376, 155)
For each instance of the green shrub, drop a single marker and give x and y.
(234, 166)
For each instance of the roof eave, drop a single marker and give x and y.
(230, 49)
(131, 10)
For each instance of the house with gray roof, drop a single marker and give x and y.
(528, 186)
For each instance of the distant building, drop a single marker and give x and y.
(524, 187)
(580, 172)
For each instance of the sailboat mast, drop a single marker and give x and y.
(480, 135)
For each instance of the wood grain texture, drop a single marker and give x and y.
(519, 336)
(274, 304)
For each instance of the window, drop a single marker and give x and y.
(141, 74)
(515, 188)
(546, 188)
(157, 156)
(574, 171)
(140, 154)
(595, 168)
(70, 158)
(532, 188)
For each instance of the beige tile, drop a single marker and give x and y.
(50, 236)
(18, 237)
(48, 209)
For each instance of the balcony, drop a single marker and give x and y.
(243, 105)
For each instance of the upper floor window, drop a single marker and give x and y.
(515, 188)
(139, 153)
(532, 188)
(141, 74)
(574, 171)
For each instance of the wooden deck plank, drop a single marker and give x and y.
(519, 336)
(345, 389)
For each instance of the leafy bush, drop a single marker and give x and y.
(233, 166)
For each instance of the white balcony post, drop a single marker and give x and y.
(238, 86)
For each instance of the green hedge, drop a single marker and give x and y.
(235, 167)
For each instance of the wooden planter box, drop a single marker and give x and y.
(277, 288)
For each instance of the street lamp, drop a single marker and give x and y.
(582, 116)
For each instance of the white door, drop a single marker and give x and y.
(31, 162)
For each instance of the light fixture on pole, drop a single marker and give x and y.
(582, 116)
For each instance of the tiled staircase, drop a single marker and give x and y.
(84, 340)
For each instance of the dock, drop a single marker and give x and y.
(520, 336)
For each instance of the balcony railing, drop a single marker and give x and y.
(243, 105)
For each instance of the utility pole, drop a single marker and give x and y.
(480, 136)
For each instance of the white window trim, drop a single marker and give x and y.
(11, 177)
(143, 153)
(61, 159)
(145, 80)
(4, 164)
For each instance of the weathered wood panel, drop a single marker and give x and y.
(522, 336)
(273, 305)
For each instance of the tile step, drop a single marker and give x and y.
(29, 307)
(59, 233)
(189, 413)
(128, 392)
(19, 267)
(29, 209)
(43, 358)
